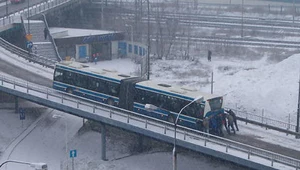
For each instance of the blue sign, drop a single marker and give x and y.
(22, 113)
(99, 38)
(29, 44)
(73, 153)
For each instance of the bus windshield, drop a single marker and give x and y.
(216, 103)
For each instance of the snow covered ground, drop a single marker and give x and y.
(252, 85)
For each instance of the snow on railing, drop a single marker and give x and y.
(226, 146)
(287, 126)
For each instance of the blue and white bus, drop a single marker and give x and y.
(133, 93)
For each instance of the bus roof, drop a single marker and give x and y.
(93, 71)
(176, 91)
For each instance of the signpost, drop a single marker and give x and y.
(29, 44)
(22, 115)
(73, 154)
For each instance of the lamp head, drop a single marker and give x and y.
(39, 166)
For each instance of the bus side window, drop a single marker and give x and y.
(58, 75)
(81, 81)
(68, 78)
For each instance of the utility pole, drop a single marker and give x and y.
(242, 31)
(6, 8)
(298, 111)
(148, 53)
(102, 18)
(212, 83)
(294, 11)
(28, 17)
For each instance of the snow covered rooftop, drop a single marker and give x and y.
(58, 32)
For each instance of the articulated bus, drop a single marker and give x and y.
(133, 93)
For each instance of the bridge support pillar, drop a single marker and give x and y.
(16, 104)
(103, 142)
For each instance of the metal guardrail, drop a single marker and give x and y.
(33, 10)
(269, 123)
(28, 56)
(51, 38)
(133, 119)
(16, 18)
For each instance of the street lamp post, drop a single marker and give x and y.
(175, 127)
(148, 53)
(298, 112)
(36, 166)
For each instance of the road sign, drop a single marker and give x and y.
(73, 153)
(29, 44)
(28, 37)
(22, 113)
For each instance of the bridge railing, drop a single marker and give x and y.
(28, 56)
(183, 134)
(287, 127)
(32, 11)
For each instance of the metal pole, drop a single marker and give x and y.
(298, 111)
(174, 149)
(242, 32)
(131, 34)
(103, 142)
(25, 163)
(73, 163)
(212, 83)
(148, 54)
(66, 142)
(28, 17)
(102, 18)
(294, 11)
(175, 127)
(6, 8)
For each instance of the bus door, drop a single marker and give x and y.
(126, 96)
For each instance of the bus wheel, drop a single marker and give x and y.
(110, 102)
(69, 90)
(171, 119)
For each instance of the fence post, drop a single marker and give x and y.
(94, 108)
(262, 116)
(246, 117)
(289, 123)
(77, 104)
(165, 130)
(62, 98)
(272, 161)
(27, 87)
(249, 154)
(47, 94)
(146, 124)
(128, 118)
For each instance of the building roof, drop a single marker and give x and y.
(59, 32)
